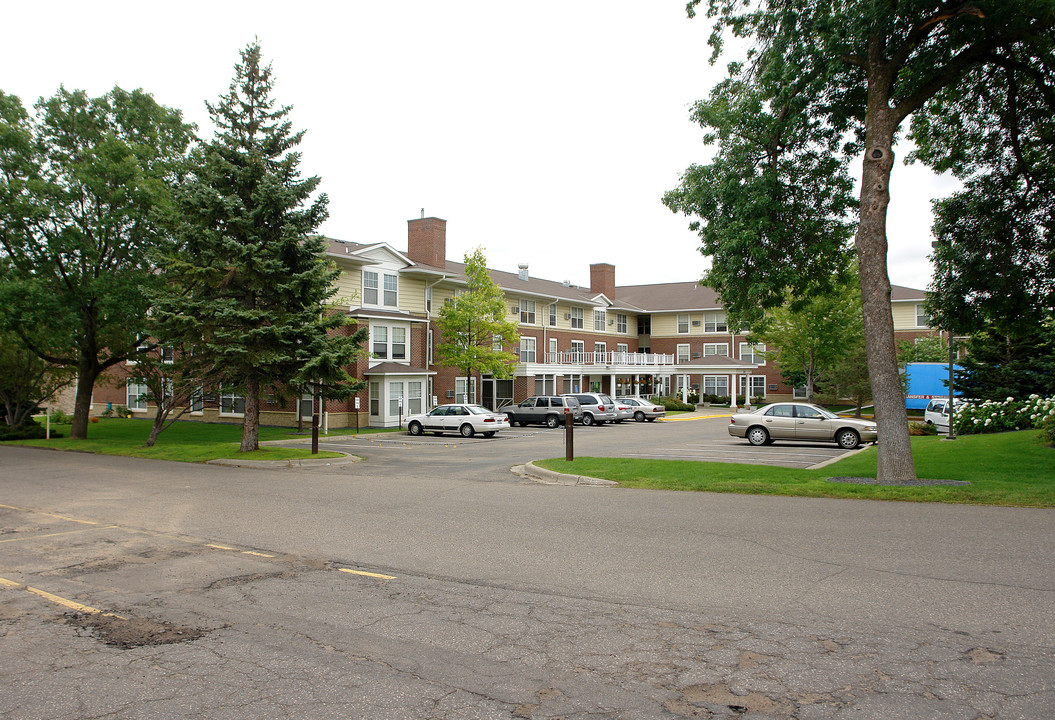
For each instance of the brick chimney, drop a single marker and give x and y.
(602, 280)
(427, 241)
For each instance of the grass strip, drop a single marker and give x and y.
(1011, 469)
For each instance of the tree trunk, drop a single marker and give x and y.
(895, 450)
(82, 405)
(251, 417)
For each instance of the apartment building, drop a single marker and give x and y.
(667, 338)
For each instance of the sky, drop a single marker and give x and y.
(545, 132)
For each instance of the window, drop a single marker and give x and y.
(552, 350)
(683, 323)
(167, 355)
(380, 347)
(721, 349)
(527, 349)
(545, 385)
(395, 398)
(577, 322)
(369, 287)
(683, 353)
(716, 385)
(414, 397)
(922, 318)
(553, 315)
(391, 290)
(197, 400)
(137, 395)
(399, 343)
(758, 386)
(578, 350)
(752, 353)
(622, 350)
(644, 324)
(598, 320)
(231, 403)
(375, 398)
(714, 322)
(620, 323)
(428, 300)
(572, 383)
(429, 349)
(496, 343)
(600, 350)
(465, 392)
(527, 312)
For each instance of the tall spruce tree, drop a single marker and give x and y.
(251, 281)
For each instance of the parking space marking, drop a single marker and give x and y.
(49, 535)
(58, 600)
(367, 574)
(47, 514)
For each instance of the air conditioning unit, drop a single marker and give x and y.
(611, 322)
(567, 316)
(450, 393)
(695, 323)
(695, 354)
(516, 310)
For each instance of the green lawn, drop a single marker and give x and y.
(1013, 468)
(184, 441)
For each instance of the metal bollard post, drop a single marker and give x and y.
(315, 434)
(569, 436)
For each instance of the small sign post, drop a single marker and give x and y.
(569, 437)
(314, 433)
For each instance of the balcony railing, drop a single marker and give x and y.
(612, 359)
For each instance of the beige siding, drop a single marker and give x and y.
(904, 315)
(349, 287)
(412, 294)
(666, 325)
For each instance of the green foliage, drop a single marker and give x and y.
(1003, 415)
(672, 403)
(25, 380)
(473, 322)
(27, 430)
(997, 366)
(773, 206)
(930, 348)
(921, 428)
(1047, 430)
(249, 282)
(85, 201)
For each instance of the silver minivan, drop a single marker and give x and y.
(596, 408)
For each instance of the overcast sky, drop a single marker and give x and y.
(546, 131)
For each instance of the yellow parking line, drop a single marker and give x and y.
(68, 532)
(367, 574)
(218, 547)
(40, 512)
(257, 554)
(72, 605)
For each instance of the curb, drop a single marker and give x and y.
(549, 477)
(284, 464)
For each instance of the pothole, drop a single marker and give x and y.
(126, 633)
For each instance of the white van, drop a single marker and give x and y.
(937, 415)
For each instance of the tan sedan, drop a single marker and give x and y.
(801, 421)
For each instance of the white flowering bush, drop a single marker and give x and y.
(1009, 414)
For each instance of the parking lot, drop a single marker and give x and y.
(698, 436)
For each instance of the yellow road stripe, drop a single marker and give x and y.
(218, 547)
(39, 512)
(72, 605)
(250, 552)
(367, 574)
(68, 532)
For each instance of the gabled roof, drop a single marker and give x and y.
(900, 293)
(667, 297)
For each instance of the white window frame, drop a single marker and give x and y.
(620, 323)
(375, 398)
(553, 314)
(460, 389)
(527, 312)
(753, 353)
(527, 350)
(379, 339)
(430, 350)
(414, 404)
(921, 314)
(715, 322)
(384, 344)
(234, 398)
(428, 300)
(756, 381)
(600, 349)
(545, 384)
(599, 317)
(578, 350)
(716, 349)
(683, 324)
(552, 350)
(683, 354)
(715, 382)
(138, 390)
(390, 290)
(371, 287)
(197, 401)
(395, 395)
(578, 318)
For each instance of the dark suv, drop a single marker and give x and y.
(546, 409)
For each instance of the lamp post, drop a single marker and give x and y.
(951, 407)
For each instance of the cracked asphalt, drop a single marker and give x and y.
(430, 582)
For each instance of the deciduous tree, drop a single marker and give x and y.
(823, 82)
(85, 201)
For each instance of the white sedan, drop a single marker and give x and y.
(459, 418)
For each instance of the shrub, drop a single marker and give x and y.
(672, 403)
(31, 430)
(919, 428)
(59, 417)
(1009, 414)
(1047, 430)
